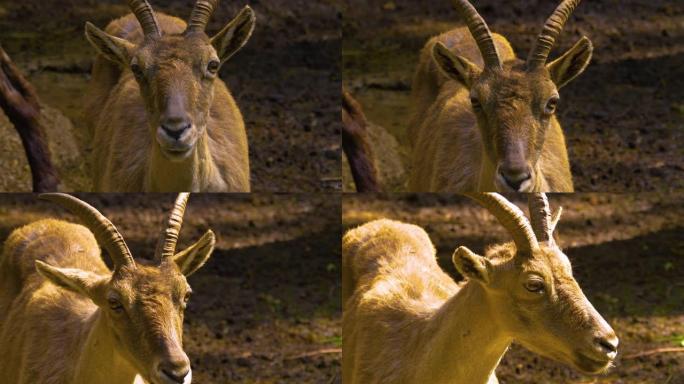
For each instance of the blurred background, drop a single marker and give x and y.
(286, 81)
(623, 118)
(627, 253)
(266, 306)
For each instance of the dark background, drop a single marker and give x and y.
(623, 118)
(266, 306)
(286, 81)
(627, 254)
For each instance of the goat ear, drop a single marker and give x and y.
(234, 35)
(75, 280)
(111, 47)
(193, 258)
(471, 265)
(454, 66)
(565, 68)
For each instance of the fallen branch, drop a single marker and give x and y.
(325, 351)
(653, 352)
(19, 101)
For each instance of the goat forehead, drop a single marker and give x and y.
(557, 261)
(179, 49)
(149, 281)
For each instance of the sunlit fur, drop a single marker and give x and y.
(408, 322)
(56, 334)
(457, 149)
(124, 121)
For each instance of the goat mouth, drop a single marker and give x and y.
(177, 153)
(591, 364)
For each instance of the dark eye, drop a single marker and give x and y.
(551, 105)
(213, 66)
(535, 285)
(137, 70)
(115, 305)
(475, 102)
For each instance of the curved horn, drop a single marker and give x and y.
(200, 15)
(552, 28)
(481, 33)
(105, 232)
(169, 236)
(540, 217)
(511, 217)
(145, 14)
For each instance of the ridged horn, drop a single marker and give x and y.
(169, 237)
(105, 232)
(511, 217)
(552, 29)
(145, 14)
(200, 15)
(540, 217)
(480, 31)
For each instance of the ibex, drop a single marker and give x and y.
(485, 120)
(406, 321)
(160, 117)
(65, 318)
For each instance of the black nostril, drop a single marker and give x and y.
(175, 132)
(606, 345)
(515, 179)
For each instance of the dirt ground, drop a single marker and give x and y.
(627, 253)
(266, 307)
(623, 118)
(286, 82)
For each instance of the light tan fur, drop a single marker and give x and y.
(123, 120)
(57, 323)
(407, 322)
(458, 149)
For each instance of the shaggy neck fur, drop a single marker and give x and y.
(99, 360)
(192, 174)
(464, 324)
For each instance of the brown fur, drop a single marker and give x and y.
(126, 156)
(454, 150)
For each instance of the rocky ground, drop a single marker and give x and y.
(286, 82)
(623, 118)
(266, 307)
(627, 254)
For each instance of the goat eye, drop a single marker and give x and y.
(551, 105)
(115, 305)
(475, 102)
(213, 66)
(535, 286)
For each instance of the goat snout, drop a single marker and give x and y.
(516, 176)
(175, 129)
(176, 370)
(607, 344)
